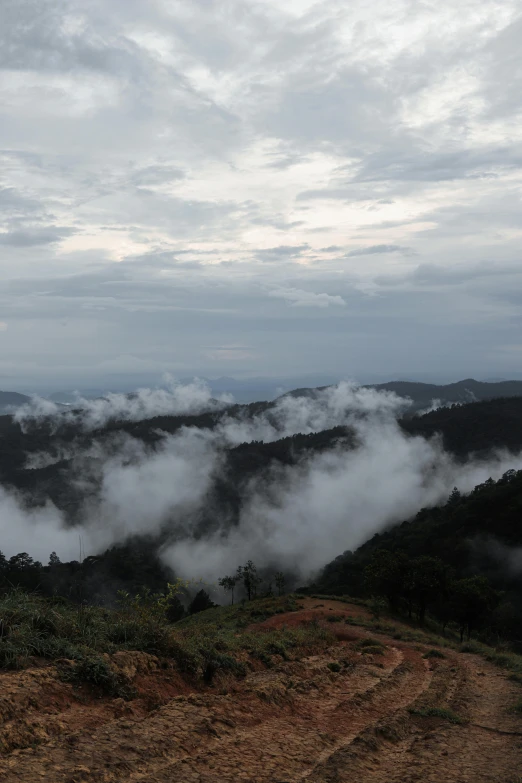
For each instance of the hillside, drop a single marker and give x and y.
(478, 534)
(278, 690)
(11, 400)
(478, 428)
(424, 395)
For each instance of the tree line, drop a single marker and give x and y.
(248, 577)
(415, 586)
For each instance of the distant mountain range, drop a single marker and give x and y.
(11, 400)
(424, 395)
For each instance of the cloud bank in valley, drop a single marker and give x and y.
(178, 399)
(295, 518)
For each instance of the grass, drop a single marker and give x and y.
(200, 646)
(433, 654)
(511, 662)
(437, 712)
(334, 667)
(370, 644)
(334, 618)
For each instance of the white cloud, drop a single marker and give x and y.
(296, 297)
(257, 136)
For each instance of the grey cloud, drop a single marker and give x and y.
(377, 249)
(14, 203)
(423, 166)
(157, 175)
(33, 237)
(282, 252)
(179, 140)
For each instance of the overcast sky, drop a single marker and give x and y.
(257, 187)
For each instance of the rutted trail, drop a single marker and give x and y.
(301, 720)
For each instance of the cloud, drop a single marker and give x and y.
(253, 136)
(129, 487)
(176, 400)
(298, 298)
(377, 249)
(282, 252)
(34, 237)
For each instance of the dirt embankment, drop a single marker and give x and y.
(359, 712)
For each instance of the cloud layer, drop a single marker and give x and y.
(174, 176)
(295, 518)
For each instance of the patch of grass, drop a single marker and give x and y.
(218, 639)
(517, 707)
(369, 642)
(96, 671)
(437, 712)
(334, 618)
(334, 667)
(433, 654)
(373, 650)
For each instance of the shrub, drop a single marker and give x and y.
(433, 654)
(366, 643)
(97, 672)
(437, 712)
(334, 618)
(334, 667)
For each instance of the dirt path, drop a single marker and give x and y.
(298, 721)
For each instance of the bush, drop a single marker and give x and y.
(370, 645)
(437, 712)
(433, 654)
(334, 667)
(97, 672)
(334, 618)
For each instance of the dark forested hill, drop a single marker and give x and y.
(424, 394)
(478, 427)
(468, 390)
(9, 400)
(477, 534)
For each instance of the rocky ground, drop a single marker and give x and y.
(365, 712)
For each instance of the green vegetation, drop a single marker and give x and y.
(334, 667)
(199, 646)
(370, 647)
(445, 564)
(437, 712)
(433, 654)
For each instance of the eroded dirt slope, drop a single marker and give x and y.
(366, 720)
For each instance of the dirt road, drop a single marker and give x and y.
(364, 718)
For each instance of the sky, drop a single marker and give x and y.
(257, 188)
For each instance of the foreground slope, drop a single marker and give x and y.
(374, 709)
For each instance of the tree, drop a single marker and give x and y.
(200, 602)
(174, 610)
(248, 575)
(54, 560)
(21, 562)
(473, 599)
(228, 583)
(386, 574)
(280, 581)
(429, 579)
(454, 497)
